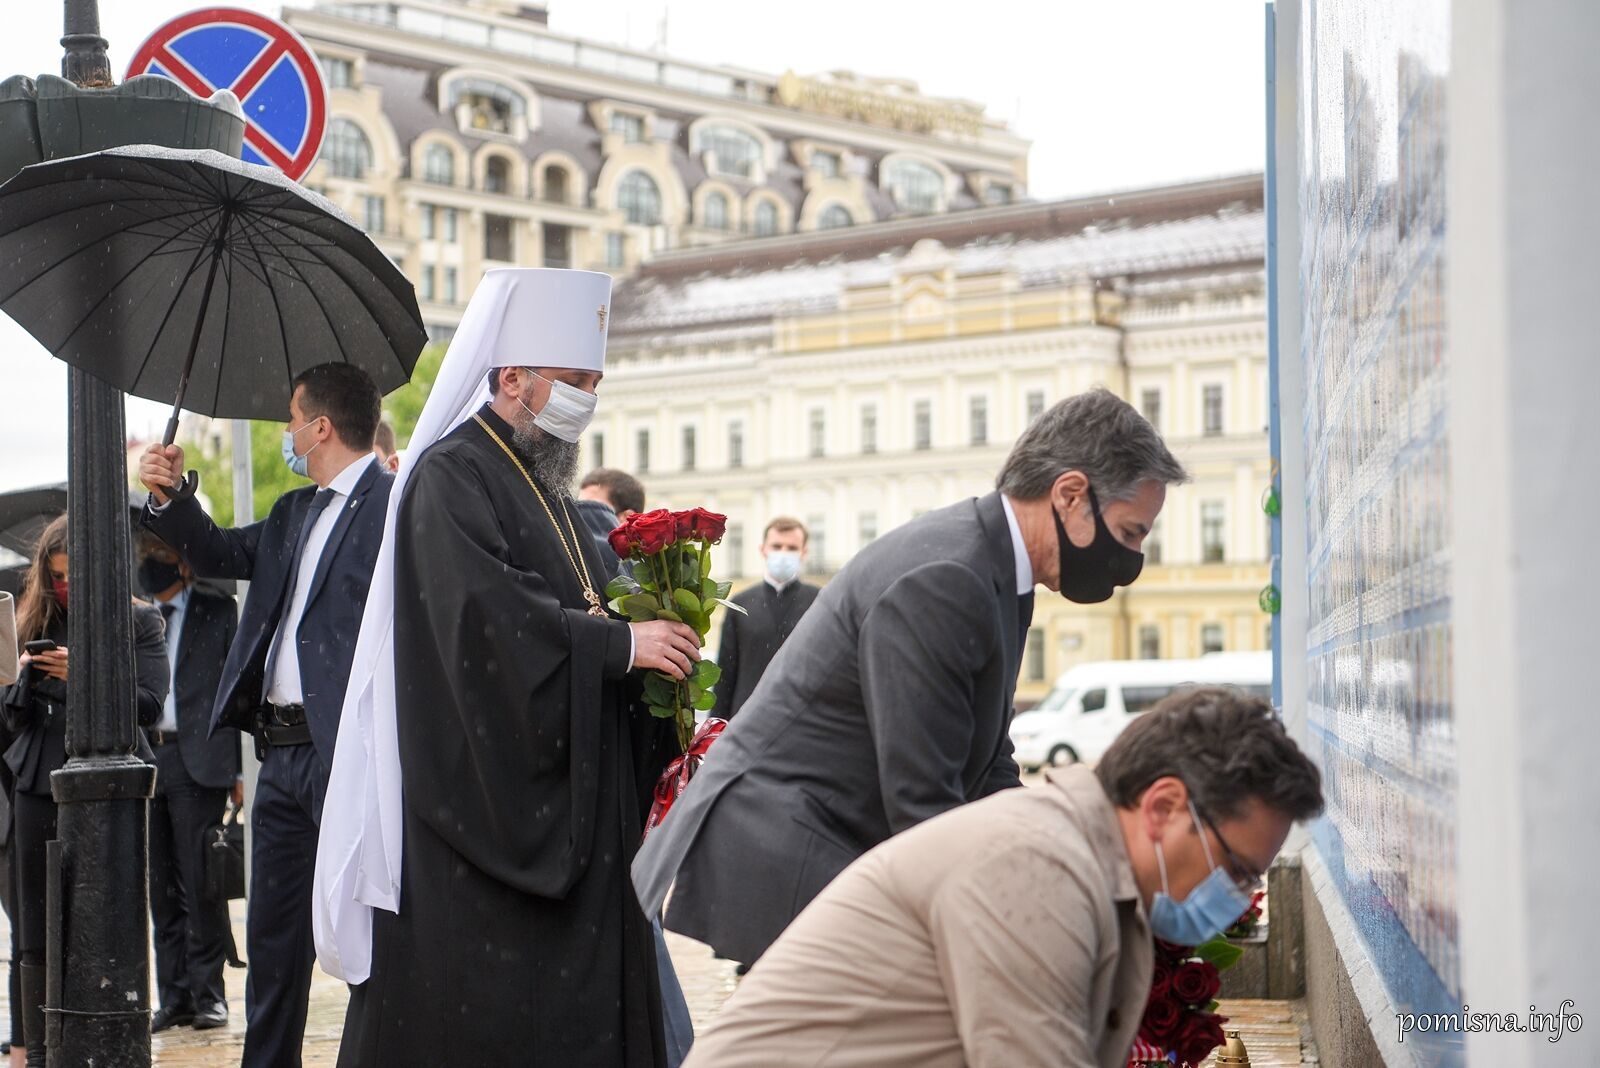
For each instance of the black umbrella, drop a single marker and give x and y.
(192, 275)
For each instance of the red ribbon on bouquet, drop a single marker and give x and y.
(671, 785)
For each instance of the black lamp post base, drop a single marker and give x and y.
(97, 1006)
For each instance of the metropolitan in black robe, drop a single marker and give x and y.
(527, 767)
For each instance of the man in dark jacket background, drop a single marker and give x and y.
(772, 609)
(196, 771)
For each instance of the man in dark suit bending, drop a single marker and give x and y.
(772, 609)
(890, 703)
(309, 564)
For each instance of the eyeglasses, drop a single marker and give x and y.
(1247, 883)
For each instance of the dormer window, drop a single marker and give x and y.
(827, 164)
(916, 187)
(716, 214)
(496, 176)
(338, 73)
(835, 217)
(998, 193)
(489, 107)
(728, 150)
(439, 166)
(631, 127)
(639, 199)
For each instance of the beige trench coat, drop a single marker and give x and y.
(1007, 933)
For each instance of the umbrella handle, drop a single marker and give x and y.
(186, 488)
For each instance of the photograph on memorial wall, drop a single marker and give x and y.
(1376, 437)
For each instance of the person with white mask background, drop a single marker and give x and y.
(772, 609)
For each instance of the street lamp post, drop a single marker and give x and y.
(98, 965)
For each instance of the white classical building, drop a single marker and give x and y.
(466, 135)
(857, 379)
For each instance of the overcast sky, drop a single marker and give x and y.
(1113, 94)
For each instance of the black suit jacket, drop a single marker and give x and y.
(888, 706)
(261, 554)
(209, 624)
(750, 641)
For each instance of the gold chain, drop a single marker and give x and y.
(573, 550)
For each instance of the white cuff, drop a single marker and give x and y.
(157, 507)
(633, 648)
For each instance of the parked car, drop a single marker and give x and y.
(1091, 704)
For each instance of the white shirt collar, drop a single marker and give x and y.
(344, 483)
(779, 586)
(1019, 549)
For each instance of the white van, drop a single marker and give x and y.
(1091, 703)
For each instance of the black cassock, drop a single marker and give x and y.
(527, 767)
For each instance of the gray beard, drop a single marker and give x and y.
(552, 461)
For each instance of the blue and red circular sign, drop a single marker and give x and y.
(264, 63)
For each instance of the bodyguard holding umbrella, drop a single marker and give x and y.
(309, 564)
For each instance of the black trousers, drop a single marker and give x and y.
(33, 824)
(191, 929)
(278, 938)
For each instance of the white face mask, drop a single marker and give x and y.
(783, 565)
(566, 414)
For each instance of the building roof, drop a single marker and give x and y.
(1149, 232)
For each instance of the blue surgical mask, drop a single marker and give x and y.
(566, 414)
(1207, 910)
(783, 565)
(296, 463)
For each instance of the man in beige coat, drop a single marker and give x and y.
(1015, 931)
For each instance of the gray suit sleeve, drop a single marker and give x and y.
(920, 647)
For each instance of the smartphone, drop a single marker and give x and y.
(43, 645)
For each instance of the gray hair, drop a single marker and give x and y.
(1097, 433)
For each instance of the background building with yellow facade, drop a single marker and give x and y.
(466, 135)
(856, 379)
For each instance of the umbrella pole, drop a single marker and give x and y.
(191, 482)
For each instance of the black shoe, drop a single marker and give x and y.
(171, 1016)
(211, 1017)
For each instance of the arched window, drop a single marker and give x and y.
(497, 175)
(766, 218)
(439, 165)
(555, 183)
(347, 150)
(915, 186)
(716, 214)
(835, 217)
(639, 198)
(732, 150)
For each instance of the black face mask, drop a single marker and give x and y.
(1091, 574)
(157, 576)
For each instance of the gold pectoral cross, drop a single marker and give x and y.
(594, 602)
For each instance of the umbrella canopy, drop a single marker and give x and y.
(172, 273)
(24, 514)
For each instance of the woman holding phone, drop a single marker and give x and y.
(35, 711)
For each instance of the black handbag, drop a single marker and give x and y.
(225, 858)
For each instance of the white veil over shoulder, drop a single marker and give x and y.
(517, 316)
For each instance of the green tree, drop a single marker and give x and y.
(271, 477)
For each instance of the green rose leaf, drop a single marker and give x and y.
(671, 617)
(658, 689)
(639, 607)
(706, 673)
(662, 712)
(723, 589)
(621, 586)
(1219, 952)
(709, 591)
(705, 702)
(687, 602)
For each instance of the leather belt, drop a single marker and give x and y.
(281, 725)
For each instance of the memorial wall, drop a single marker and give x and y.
(1375, 431)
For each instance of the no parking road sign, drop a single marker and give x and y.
(265, 64)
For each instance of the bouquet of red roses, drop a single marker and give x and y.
(1180, 1019)
(671, 557)
(1245, 926)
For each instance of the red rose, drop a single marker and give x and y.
(622, 541)
(1198, 1035)
(707, 526)
(653, 531)
(1161, 980)
(1161, 1021)
(1196, 983)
